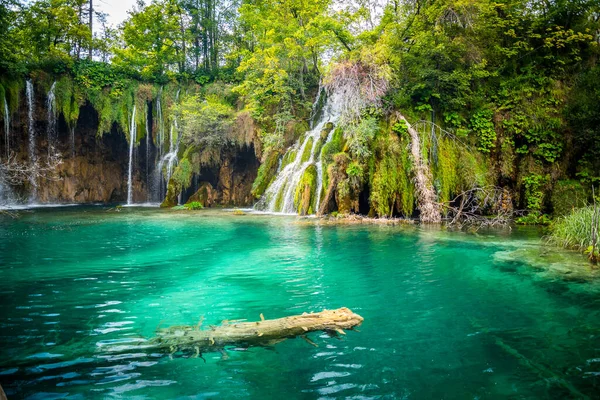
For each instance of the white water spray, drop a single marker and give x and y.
(6, 128)
(132, 135)
(283, 188)
(52, 117)
(169, 160)
(147, 155)
(31, 129)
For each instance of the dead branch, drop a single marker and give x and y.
(356, 86)
(480, 207)
(14, 172)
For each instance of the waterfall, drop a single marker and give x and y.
(6, 128)
(147, 156)
(132, 134)
(283, 188)
(73, 141)
(161, 125)
(52, 116)
(169, 160)
(31, 128)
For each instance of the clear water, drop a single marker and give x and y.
(447, 315)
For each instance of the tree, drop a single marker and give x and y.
(151, 40)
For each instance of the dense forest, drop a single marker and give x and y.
(441, 107)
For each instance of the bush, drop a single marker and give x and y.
(575, 231)
(194, 205)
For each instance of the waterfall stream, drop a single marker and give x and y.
(132, 136)
(166, 163)
(147, 156)
(31, 129)
(6, 128)
(52, 117)
(279, 196)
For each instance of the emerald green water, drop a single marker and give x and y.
(447, 315)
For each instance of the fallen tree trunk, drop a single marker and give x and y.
(258, 333)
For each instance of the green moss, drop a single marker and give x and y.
(182, 175)
(335, 145)
(391, 186)
(266, 173)
(289, 157)
(318, 148)
(325, 131)
(307, 151)
(279, 197)
(305, 194)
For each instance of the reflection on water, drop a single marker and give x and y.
(447, 315)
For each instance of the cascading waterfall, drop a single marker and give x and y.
(169, 160)
(31, 127)
(279, 197)
(161, 125)
(52, 117)
(147, 155)
(132, 137)
(6, 128)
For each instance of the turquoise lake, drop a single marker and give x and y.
(492, 315)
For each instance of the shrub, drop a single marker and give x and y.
(576, 230)
(194, 205)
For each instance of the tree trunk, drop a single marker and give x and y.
(259, 333)
(426, 199)
(91, 31)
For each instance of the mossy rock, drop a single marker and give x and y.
(305, 195)
(289, 157)
(279, 197)
(205, 195)
(307, 151)
(325, 131)
(266, 173)
(173, 190)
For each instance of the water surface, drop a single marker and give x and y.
(447, 315)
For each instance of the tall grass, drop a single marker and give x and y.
(578, 230)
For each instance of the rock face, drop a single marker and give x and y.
(94, 169)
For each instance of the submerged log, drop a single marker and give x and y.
(259, 333)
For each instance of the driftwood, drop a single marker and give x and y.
(246, 334)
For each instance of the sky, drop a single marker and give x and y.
(116, 9)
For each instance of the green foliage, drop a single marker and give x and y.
(482, 125)
(575, 230)
(534, 193)
(182, 175)
(534, 219)
(359, 135)
(150, 36)
(194, 205)
(205, 123)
